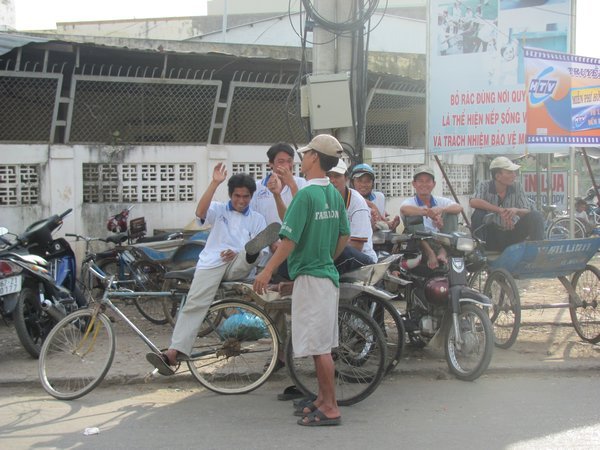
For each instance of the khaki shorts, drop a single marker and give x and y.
(314, 316)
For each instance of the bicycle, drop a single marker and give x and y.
(229, 354)
(133, 266)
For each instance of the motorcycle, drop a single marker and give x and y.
(135, 231)
(38, 285)
(440, 304)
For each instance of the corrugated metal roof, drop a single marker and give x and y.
(8, 41)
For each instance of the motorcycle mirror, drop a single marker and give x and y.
(3, 231)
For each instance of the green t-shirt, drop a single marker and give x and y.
(314, 221)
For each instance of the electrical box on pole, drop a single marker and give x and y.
(328, 101)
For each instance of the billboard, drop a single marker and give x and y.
(563, 98)
(476, 79)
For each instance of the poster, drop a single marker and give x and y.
(529, 181)
(563, 98)
(476, 78)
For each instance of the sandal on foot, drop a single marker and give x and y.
(319, 419)
(299, 410)
(304, 401)
(160, 362)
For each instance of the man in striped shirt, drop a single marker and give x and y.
(514, 220)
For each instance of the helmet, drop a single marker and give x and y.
(361, 169)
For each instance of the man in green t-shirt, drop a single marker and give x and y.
(314, 232)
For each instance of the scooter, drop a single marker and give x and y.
(440, 304)
(38, 284)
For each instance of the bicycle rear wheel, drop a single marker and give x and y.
(586, 316)
(360, 359)
(505, 312)
(559, 229)
(238, 351)
(148, 277)
(77, 354)
(389, 321)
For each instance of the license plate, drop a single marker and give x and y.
(10, 285)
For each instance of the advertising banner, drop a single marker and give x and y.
(563, 99)
(529, 181)
(476, 87)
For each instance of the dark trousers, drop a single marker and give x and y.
(529, 227)
(351, 259)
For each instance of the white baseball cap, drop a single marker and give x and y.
(340, 168)
(502, 162)
(324, 144)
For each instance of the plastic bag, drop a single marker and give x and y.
(243, 326)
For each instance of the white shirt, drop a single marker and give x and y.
(441, 202)
(264, 202)
(231, 230)
(378, 200)
(359, 216)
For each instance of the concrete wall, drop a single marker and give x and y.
(61, 183)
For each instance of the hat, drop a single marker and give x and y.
(502, 162)
(360, 169)
(423, 169)
(324, 144)
(340, 168)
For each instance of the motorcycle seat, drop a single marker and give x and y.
(186, 274)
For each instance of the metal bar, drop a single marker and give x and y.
(591, 172)
(545, 306)
(439, 163)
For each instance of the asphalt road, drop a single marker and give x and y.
(407, 411)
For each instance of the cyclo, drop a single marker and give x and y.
(565, 259)
(236, 348)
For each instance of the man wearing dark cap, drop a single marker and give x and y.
(438, 213)
(314, 232)
(514, 220)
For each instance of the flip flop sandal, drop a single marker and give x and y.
(318, 419)
(304, 401)
(299, 411)
(161, 363)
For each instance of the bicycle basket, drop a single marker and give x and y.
(244, 327)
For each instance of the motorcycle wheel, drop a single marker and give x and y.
(473, 357)
(505, 312)
(148, 278)
(31, 323)
(390, 322)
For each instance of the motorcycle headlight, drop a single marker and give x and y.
(465, 244)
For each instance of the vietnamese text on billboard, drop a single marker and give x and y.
(476, 97)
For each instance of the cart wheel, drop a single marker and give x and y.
(505, 312)
(586, 316)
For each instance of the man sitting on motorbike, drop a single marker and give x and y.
(362, 178)
(359, 250)
(438, 213)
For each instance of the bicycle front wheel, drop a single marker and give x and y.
(238, 350)
(360, 359)
(77, 354)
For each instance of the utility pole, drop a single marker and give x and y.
(333, 53)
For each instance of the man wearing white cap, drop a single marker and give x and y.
(314, 232)
(515, 220)
(359, 251)
(439, 213)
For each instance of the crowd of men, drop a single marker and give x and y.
(310, 230)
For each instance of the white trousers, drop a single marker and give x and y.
(201, 295)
